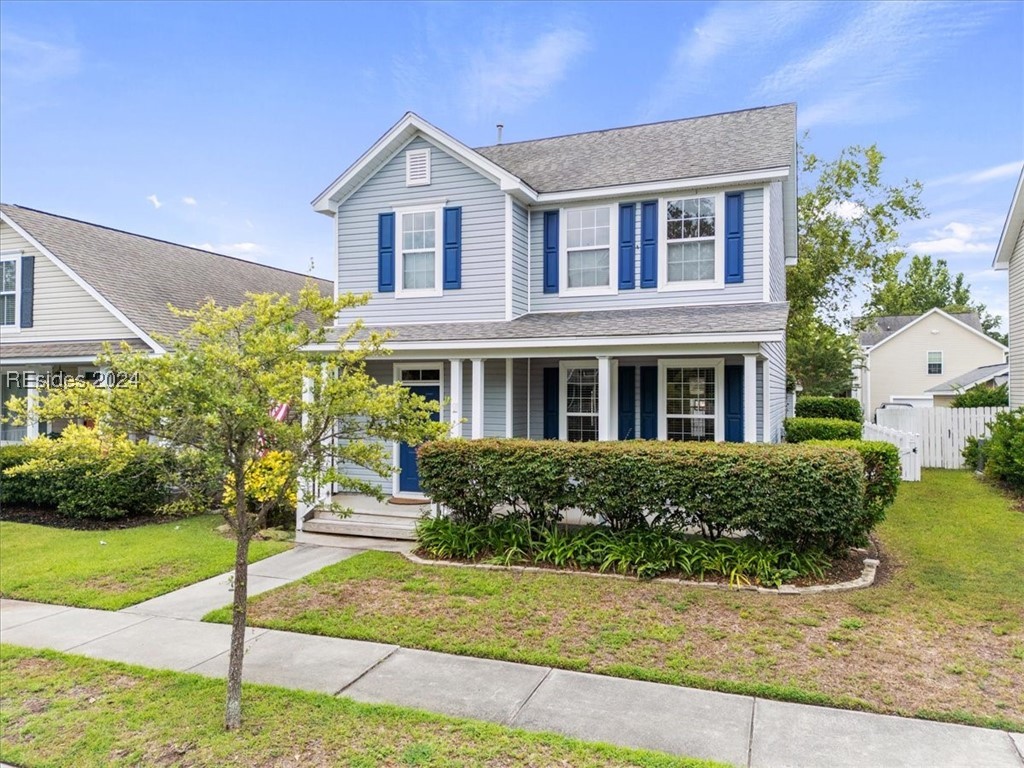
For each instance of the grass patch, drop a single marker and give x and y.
(68, 710)
(115, 568)
(955, 600)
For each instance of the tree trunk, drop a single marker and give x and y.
(243, 532)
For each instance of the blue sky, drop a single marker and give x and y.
(215, 124)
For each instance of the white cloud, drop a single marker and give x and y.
(28, 61)
(242, 250)
(845, 209)
(155, 201)
(996, 172)
(189, 200)
(954, 238)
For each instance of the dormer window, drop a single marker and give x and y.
(417, 167)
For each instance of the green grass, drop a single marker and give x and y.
(940, 638)
(116, 568)
(62, 710)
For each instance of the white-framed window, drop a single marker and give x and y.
(419, 235)
(692, 400)
(934, 363)
(691, 242)
(10, 285)
(579, 400)
(417, 167)
(588, 262)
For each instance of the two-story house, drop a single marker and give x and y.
(610, 285)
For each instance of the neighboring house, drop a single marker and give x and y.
(68, 286)
(907, 355)
(1010, 256)
(611, 285)
(986, 376)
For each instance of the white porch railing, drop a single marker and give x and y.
(943, 431)
(907, 443)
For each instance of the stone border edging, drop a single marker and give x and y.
(866, 579)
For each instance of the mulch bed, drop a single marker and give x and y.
(53, 519)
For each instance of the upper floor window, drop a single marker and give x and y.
(934, 363)
(9, 292)
(588, 266)
(693, 252)
(419, 260)
(417, 167)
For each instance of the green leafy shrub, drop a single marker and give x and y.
(800, 430)
(13, 455)
(882, 475)
(975, 452)
(1004, 449)
(845, 408)
(797, 497)
(88, 473)
(982, 396)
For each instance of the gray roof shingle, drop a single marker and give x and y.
(714, 319)
(885, 326)
(141, 276)
(35, 350)
(969, 379)
(731, 142)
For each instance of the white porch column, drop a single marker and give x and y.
(31, 397)
(307, 491)
(478, 398)
(455, 399)
(604, 398)
(750, 398)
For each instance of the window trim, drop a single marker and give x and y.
(718, 363)
(691, 285)
(14, 256)
(563, 252)
(409, 154)
(563, 391)
(928, 362)
(438, 290)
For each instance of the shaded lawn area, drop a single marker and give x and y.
(942, 638)
(65, 710)
(53, 565)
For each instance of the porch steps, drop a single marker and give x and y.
(369, 518)
(346, 527)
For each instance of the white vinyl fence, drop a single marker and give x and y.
(943, 431)
(905, 442)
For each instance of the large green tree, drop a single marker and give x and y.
(926, 285)
(217, 392)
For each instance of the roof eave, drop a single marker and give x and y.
(1011, 229)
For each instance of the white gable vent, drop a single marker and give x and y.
(417, 167)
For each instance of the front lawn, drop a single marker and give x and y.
(115, 568)
(67, 710)
(941, 637)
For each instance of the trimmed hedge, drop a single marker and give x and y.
(845, 408)
(797, 497)
(13, 455)
(882, 475)
(800, 430)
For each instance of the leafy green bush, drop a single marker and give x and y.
(845, 408)
(882, 474)
(13, 455)
(975, 453)
(1004, 449)
(797, 497)
(800, 430)
(982, 397)
(87, 473)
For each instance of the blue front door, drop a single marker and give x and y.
(734, 403)
(409, 477)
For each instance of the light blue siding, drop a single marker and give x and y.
(520, 398)
(775, 352)
(749, 290)
(482, 296)
(520, 261)
(776, 244)
(382, 371)
(494, 398)
(760, 402)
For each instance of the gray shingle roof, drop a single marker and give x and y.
(732, 142)
(969, 379)
(714, 319)
(141, 276)
(885, 326)
(34, 350)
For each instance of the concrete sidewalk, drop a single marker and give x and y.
(739, 730)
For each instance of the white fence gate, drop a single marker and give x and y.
(943, 431)
(905, 442)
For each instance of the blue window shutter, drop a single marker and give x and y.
(28, 280)
(627, 243)
(734, 403)
(734, 237)
(452, 248)
(386, 253)
(550, 403)
(649, 244)
(551, 252)
(627, 402)
(649, 402)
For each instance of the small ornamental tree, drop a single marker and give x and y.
(223, 389)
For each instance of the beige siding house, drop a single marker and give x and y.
(905, 356)
(1010, 256)
(67, 286)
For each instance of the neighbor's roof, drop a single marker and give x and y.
(140, 275)
(731, 142)
(885, 326)
(753, 318)
(972, 378)
(73, 350)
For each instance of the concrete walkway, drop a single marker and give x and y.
(743, 731)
